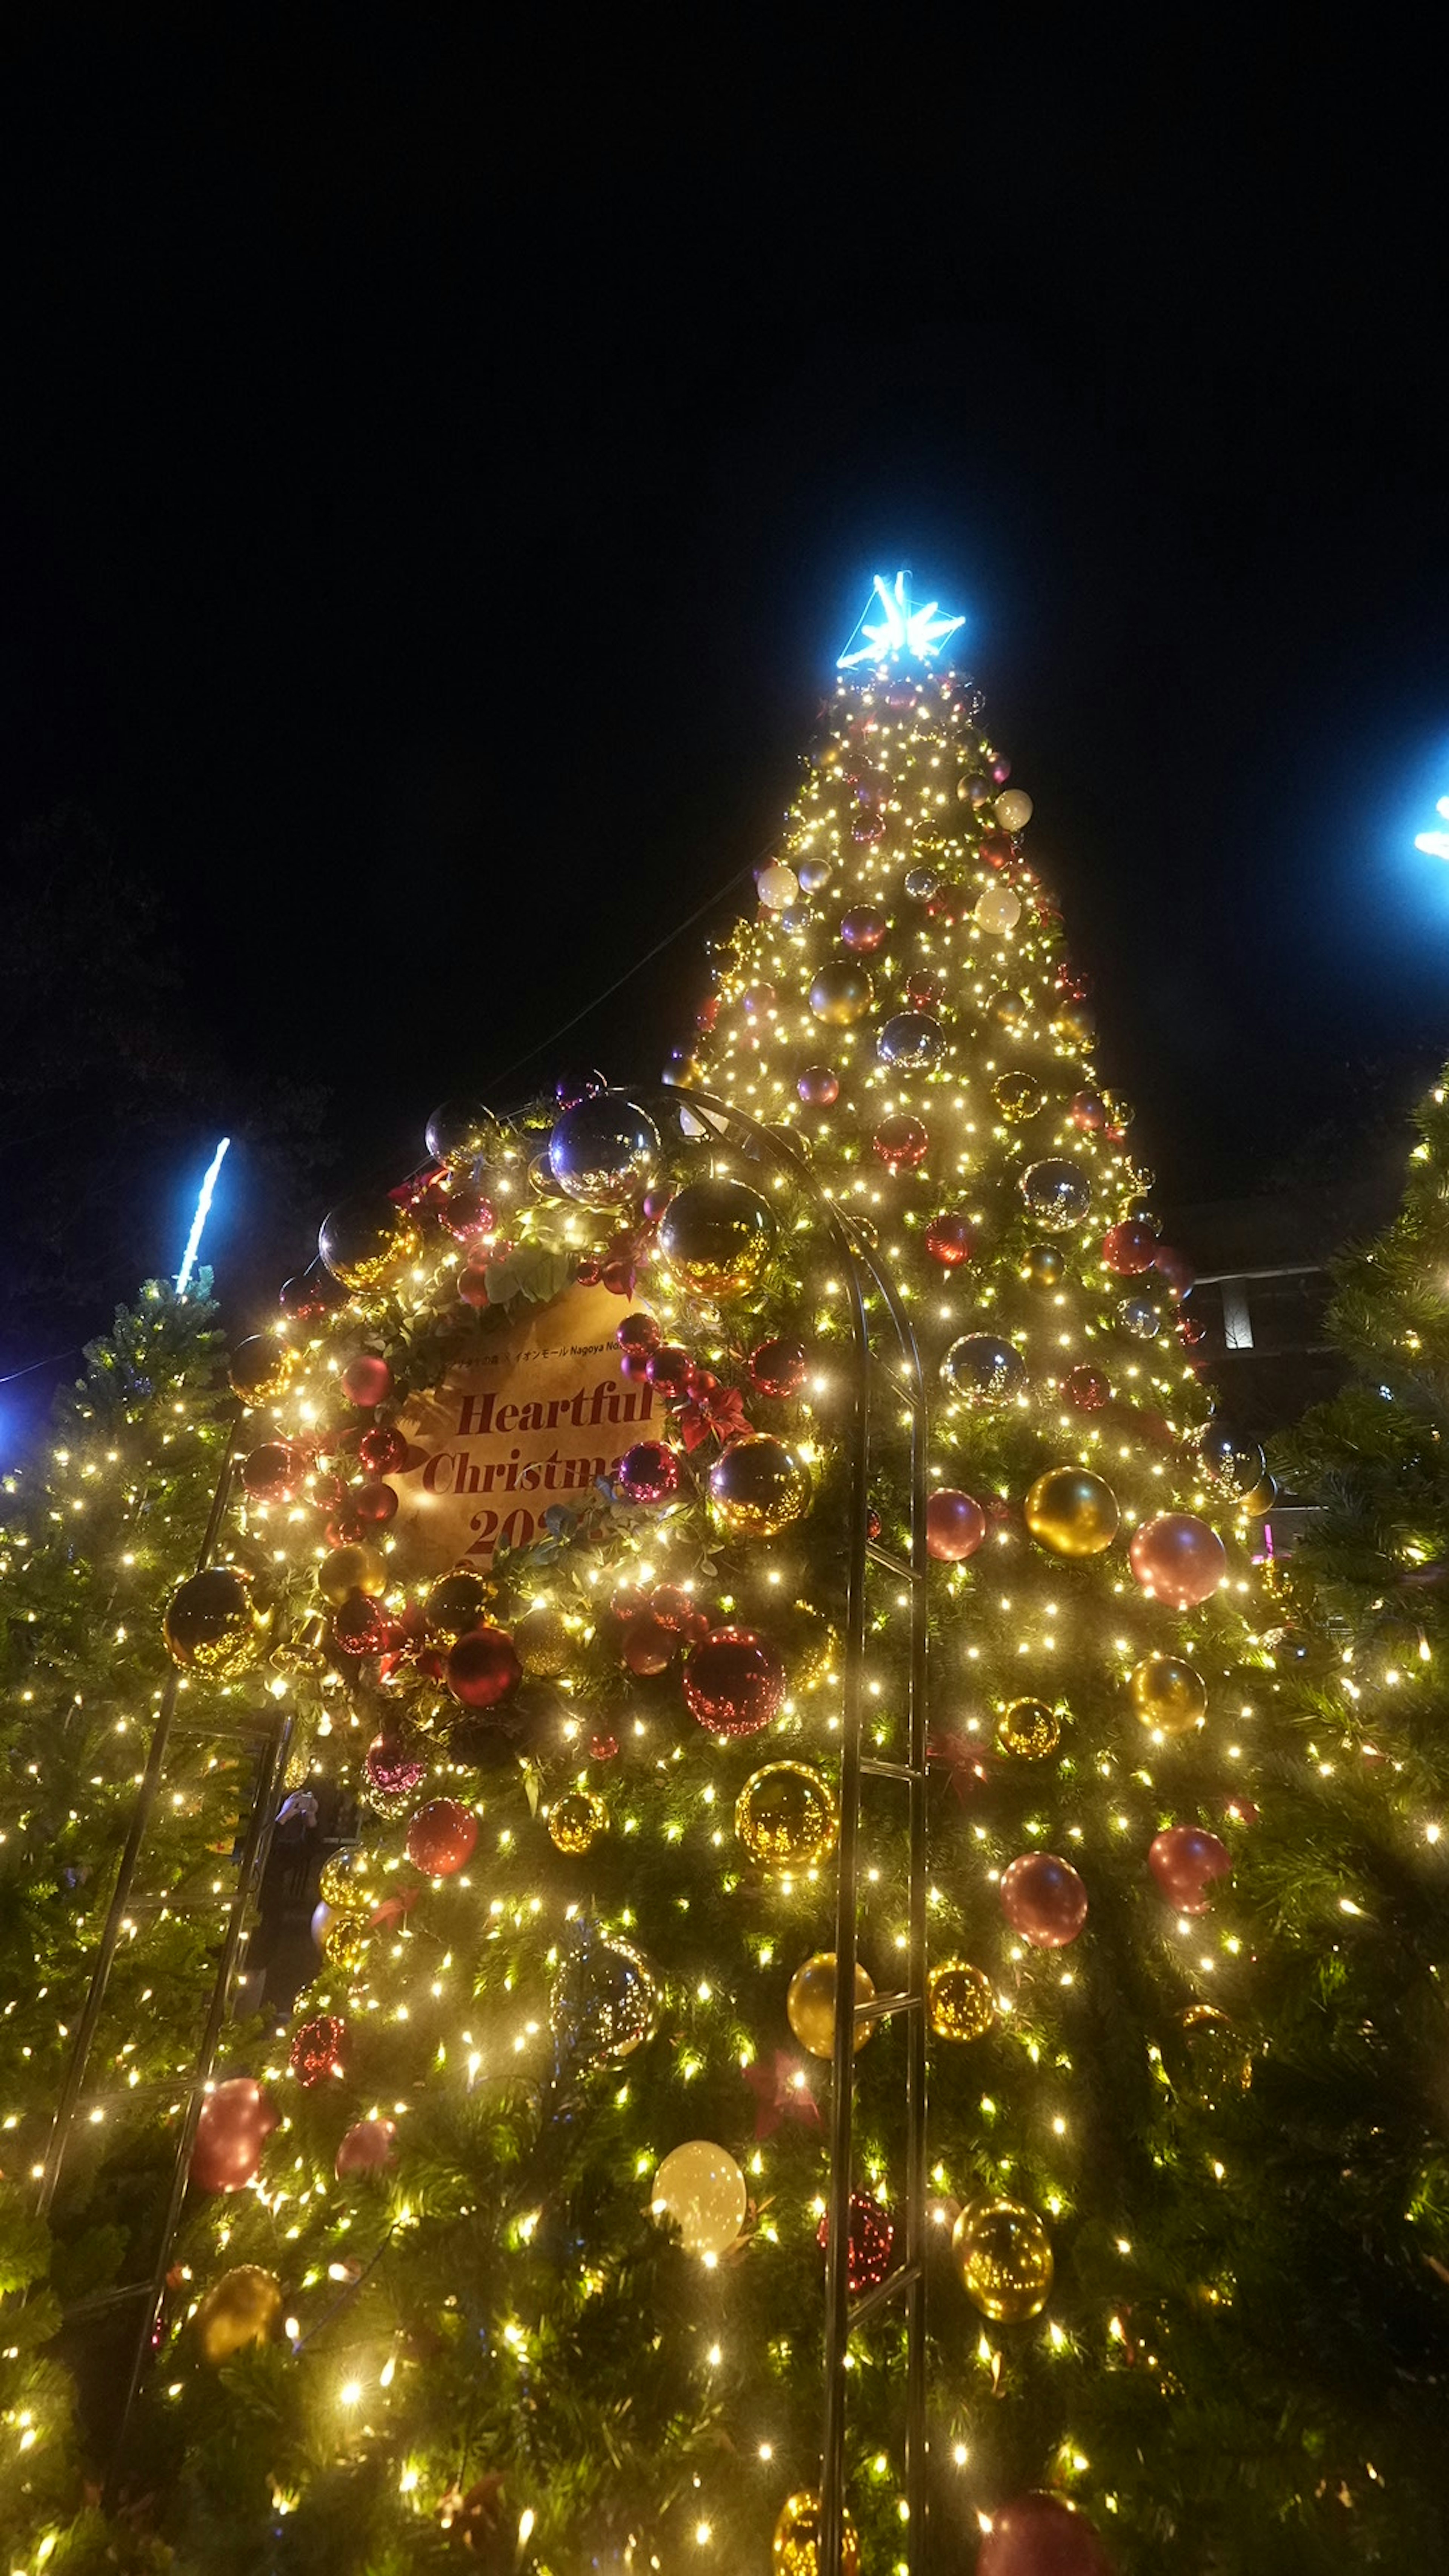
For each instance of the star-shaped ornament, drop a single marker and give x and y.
(902, 628)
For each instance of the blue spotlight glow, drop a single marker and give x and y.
(1435, 845)
(203, 1205)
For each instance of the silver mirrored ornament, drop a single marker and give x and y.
(1231, 1458)
(1139, 1317)
(603, 2003)
(983, 1370)
(911, 1041)
(459, 1131)
(1058, 1194)
(604, 1150)
(813, 874)
(922, 883)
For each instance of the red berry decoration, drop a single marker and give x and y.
(366, 2148)
(1088, 1111)
(318, 2049)
(1043, 1899)
(649, 1646)
(733, 1682)
(1178, 1558)
(360, 1624)
(638, 1334)
(1041, 2535)
(235, 2124)
(901, 1143)
(819, 1086)
(648, 1473)
(1129, 1247)
(863, 928)
(950, 1238)
(870, 2236)
(373, 1505)
(483, 1668)
(273, 1473)
(669, 1367)
(1086, 1388)
(1184, 1860)
(778, 1367)
(367, 1380)
(955, 1525)
(382, 1452)
(441, 1837)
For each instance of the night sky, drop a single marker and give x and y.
(434, 486)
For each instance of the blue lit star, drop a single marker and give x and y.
(1435, 844)
(903, 627)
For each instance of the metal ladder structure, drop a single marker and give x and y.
(888, 1399)
(266, 1738)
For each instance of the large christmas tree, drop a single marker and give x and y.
(607, 1544)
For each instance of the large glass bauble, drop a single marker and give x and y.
(604, 1150)
(212, 1624)
(841, 994)
(459, 1131)
(604, 2002)
(1231, 1458)
(911, 1041)
(1072, 1512)
(960, 1999)
(717, 1235)
(1167, 1695)
(1058, 1193)
(700, 2188)
(1004, 2257)
(795, 2549)
(810, 2004)
(757, 1487)
(364, 1240)
(786, 1816)
(983, 1370)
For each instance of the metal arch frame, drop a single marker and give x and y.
(906, 1382)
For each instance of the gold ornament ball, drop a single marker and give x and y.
(816, 1652)
(541, 1643)
(960, 1999)
(701, 2188)
(841, 994)
(1004, 2257)
(757, 1487)
(795, 2549)
(576, 1820)
(212, 1624)
(364, 1240)
(1072, 1512)
(259, 1368)
(1167, 1695)
(1044, 1265)
(241, 2308)
(786, 1816)
(1028, 1729)
(305, 1651)
(1017, 1096)
(810, 2004)
(1076, 1023)
(717, 1236)
(1008, 1011)
(342, 1879)
(459, 1601)
(1260, 1501)
(344, 1941)
(348, 1570)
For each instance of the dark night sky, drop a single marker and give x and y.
(434, 485)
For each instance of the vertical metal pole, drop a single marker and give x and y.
(916, 2021)
(79, 2058)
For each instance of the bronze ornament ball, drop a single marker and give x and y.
(795, 2548)
(259, 1368)
(1044, 1265)
(841, 994)
(810, 2004)
(1004, 2256)
(457, 1602)
(717, 1236)
(1039, 2534)
(1072, 1512)
(1017, 1096)
(1076, 1022)
(212, 1624)
(1029, 1730)
(241, 2308)
(365, 1239)
(1178, 1558)
(786, 1816)
(960, 2000)
(351, 1569)
(604, 1151)
(1007, 1010)
(1167, 1695)
(576, 1820)
(758, 1487)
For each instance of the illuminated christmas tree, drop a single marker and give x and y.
(673, 1674)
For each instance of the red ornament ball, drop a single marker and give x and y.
(319, 2049)
(367, 1380)
(366, 2148)
(1043, 1899)
(649, 1645)
(382, 1452)
(473, 1287)
(1129, 1247)
(466, 1213)
(391, 1769)
(603, 1747)
(901, 1143)
(950, 1238)
(863, 928)
(869, 2238)
(1041, 2535)
(1088, 1111)
(441, 1837)
(668, 1369)
(648, 1473)
(733, 1682)
(1178, 1558)
(1184, 1860)
(273, 1473)
(235, 2124)
(360, 1624)
(955, 1525)
(638, 1335)
(707, 1013)
(819, 1086)
(778, 1367)
(1086, 1388)
(483, 1667)
(997, 848)
(373, 1505)
(924, 991)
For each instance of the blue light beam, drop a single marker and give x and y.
(203, 1210)
(1435, 845)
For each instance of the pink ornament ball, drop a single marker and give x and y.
(1178, 1558)
(235, 2124)
(366, 2148)
(1184, 1860)
(819, 1086)
(863, 928)
(648, 1473)
(1088, 1111)
(1043, 1899)
(367, 1380)
(778, 1368)
(733, 1682)
(1041, 2535)
(442, 1837)
(391, 1769)
(668, 1368)
(955, 1525)
(638, 1335)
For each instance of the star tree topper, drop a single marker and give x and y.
(901, 628)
